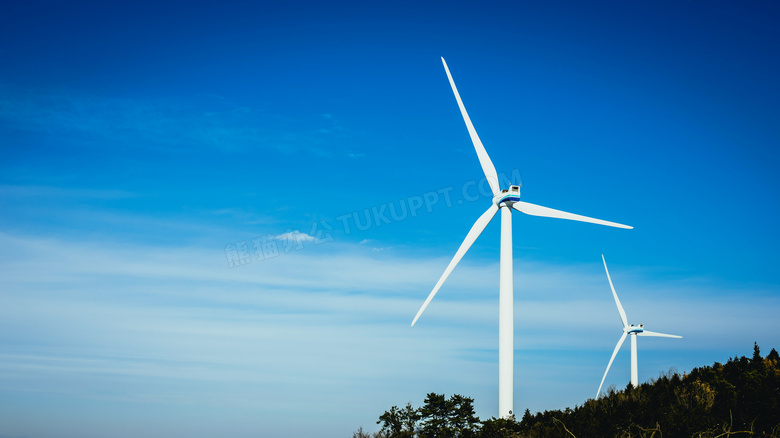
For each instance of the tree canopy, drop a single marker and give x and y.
(738, 398)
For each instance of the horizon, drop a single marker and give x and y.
(221, 218)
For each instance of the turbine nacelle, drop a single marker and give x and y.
(507, 197)
(634, 329)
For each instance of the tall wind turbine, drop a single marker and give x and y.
(503, 200)
(633, 330)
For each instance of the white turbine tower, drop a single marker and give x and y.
(502, 200)
(633, 330)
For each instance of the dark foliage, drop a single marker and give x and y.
(438, 418)
(738, 398)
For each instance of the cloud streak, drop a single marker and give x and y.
(86, 318)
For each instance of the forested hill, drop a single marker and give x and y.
(741, 395)
(738, 398)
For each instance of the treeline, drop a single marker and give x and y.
(738, 398)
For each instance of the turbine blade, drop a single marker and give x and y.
(614, 294)
(475, 231)
(660, 335)
(614, 353)
(484, 159)
(538, 210)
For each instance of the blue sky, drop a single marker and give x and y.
(145, 145)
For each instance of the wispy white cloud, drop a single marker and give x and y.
(86, 317)
(371, 243)
(296, 236)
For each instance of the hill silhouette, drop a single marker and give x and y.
(738, 398)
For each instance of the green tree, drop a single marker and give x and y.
(399, 423)
(409, 418)
(448, 418)
(462, 418)
(391, 422)
(435, 417)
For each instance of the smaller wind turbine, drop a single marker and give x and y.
(633, 330)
